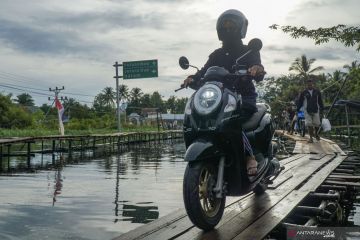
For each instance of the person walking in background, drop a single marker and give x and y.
(310, 99)
(292, 117)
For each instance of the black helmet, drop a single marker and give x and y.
(231, 25)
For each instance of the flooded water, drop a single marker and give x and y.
(89, 197)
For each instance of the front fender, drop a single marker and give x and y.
(200, 149)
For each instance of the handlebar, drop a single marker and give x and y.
(180, 88)
(229, 77)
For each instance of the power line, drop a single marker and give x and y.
(17, 76)
(33, 92)
(7, 76)
(24, 90)
(10, 84)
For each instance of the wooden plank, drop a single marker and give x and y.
(317, 147)
(260, 228)
(184, 224)
(258, 205)
(159, 226)
(292, 158)
(352, 184)
(286, 173)
(153, 226)
(345, 177)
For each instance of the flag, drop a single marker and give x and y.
(60, 109)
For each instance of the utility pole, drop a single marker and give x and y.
(57, 91)
(116, 65)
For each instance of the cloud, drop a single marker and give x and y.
(325, 13)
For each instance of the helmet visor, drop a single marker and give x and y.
(229, 26)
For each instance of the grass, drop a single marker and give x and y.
(7, 133)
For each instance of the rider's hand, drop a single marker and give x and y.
(256, 70)
(187, 81)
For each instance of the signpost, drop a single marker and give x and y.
(133, 70)
(140, 69)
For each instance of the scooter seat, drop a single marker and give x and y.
(255, 119)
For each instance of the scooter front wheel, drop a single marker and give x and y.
(201, 204)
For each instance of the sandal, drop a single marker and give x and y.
(251, 166)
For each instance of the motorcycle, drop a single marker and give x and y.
(214, 144)
(301, 123)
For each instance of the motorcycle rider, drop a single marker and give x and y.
(231, 27)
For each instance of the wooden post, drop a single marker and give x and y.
(70, 148)
(1, 157)
(53, 146)
(28, 153)
(42, 146)
(8, 152)
(347, 124)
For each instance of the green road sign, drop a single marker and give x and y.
(140, 69)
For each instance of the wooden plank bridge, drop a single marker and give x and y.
(48, 144)
(254, 217)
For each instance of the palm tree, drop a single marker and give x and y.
(354, 65)
(123, 92)
(303, 66)
(135, 96)
(108, 96)
(25, 99)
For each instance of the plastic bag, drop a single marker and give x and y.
(325, 125)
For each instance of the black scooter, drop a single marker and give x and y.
(215, 150)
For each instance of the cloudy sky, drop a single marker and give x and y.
(49, 43)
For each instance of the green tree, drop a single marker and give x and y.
(145, 101)
(104, 101)
(157, 102)
(123, 92)
(171, 104)
(302, 66)
(74, 109)
(11, 115)
(25, 99)
(349, 36)
(180, 104)
(135, 96)
(353, 66)
(108, 96)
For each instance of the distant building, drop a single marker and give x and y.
(135, 118)
(170, 121)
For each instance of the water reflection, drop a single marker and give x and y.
(89, 195)
(58, 180)
(139, 214)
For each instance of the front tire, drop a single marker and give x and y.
(303, 129)
(201, 204)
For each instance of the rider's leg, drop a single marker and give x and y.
(251, 163)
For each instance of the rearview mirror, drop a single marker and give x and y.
(184, 62)
(255, 44)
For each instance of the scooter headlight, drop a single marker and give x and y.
(207, 99)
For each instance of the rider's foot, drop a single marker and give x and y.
(310, 140)
(317, 137)
(251, 165)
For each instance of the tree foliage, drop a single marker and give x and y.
(348, 35)
(25, 99)
(13, 116)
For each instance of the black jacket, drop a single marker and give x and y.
(314, 101)
(226, 57)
